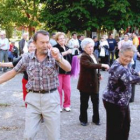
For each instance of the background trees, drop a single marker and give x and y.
(69, 15)
(19, 13)
(91, 15)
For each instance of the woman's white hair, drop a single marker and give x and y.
(86, 41)
(128, 47)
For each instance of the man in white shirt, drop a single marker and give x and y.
(4, 47)
(74, 44)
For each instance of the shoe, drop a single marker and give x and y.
(83, 123)
(61, 109)
(97, 123)
(67, 109)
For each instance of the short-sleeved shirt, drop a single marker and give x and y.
(112, 44)
(41, 75)
(15, 62)
(118, 89)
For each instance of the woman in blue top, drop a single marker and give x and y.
(118, 93)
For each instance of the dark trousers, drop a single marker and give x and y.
(111, 57)
(84, 98)
(118, 121)
(117, 53)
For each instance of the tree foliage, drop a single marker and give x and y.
(77, 15)
(70, 15)
(19, 13)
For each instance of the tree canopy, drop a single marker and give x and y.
(19, 13)
(79, 15)
(69, 15)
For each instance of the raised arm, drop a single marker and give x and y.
(7, 64)
(7, 76)
(64, 64)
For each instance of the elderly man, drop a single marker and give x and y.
(73, 44)
(42, 98)
(112, 46)
(23, 44)
(4, 47)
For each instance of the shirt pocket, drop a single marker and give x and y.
(33, 72)
(49, 71)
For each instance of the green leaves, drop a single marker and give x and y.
(70, 15)
(19, 13)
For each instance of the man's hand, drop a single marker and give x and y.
(64, 64)
(55, 54)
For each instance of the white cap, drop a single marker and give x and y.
(86, 41)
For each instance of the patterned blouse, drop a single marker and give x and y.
(118, 89)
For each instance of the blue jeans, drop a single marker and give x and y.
(96, 53)
(3, 57)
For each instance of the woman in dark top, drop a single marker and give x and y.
(117, 95)
(64, 77)
(88, 83)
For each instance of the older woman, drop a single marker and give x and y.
(88, 83)
(117, 94)
(64, 77)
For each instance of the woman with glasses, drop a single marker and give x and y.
(64, 77)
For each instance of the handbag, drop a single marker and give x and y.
(102, 52)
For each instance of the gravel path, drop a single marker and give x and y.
(12, 114)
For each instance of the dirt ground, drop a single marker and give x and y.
(12, 115)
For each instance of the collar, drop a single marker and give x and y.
(33, 55)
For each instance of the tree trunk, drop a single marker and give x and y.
(30, 31)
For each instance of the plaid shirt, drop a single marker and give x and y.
(41, 75)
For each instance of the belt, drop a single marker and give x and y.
(43, 91)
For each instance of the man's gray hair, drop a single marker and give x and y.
(43, 32)
(86, 41)
(128, 47)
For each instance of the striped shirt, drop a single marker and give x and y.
(41, 75)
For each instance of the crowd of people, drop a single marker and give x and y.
(47, 64)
